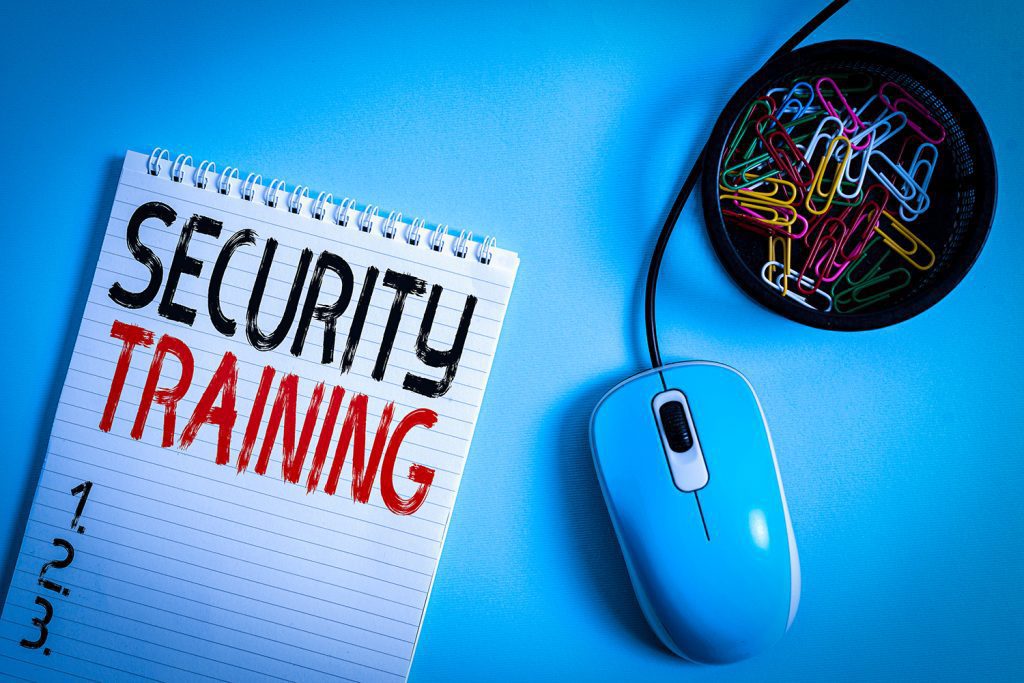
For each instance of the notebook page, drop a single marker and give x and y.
(166, 540)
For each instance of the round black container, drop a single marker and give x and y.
(962, 195)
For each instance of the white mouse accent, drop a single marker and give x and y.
(689, 469)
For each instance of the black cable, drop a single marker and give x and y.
(691, 180)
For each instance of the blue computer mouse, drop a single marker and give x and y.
(689, 474)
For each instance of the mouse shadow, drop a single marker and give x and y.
(591, 538)
(110, 173)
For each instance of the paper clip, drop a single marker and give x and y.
(824, 248)
(873, 101)
(774, 212)
(821, 134)
(767, 217)
(793, 101)
(925, 158)
(774, 242)
(841, 163)
(781, 192)
(872, 287)
(796, 296)
(825, 260)
(913, 196)
(864, 221)
(907, 253)
(850, 114)
(747, 125)
(748, 172)
(858, 179)
(786, 154)
(881, 130)
(899, 95)
(853, 276)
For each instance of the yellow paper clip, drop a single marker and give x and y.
(842, 161)
(906, 252)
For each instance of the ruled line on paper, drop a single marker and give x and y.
(278, 625)
(185, 598)
(212, 659)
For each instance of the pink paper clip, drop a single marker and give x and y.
(898, 96)
(855, 121)
(823, 254)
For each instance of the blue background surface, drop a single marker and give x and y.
(565, 129)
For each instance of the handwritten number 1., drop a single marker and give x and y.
(84, 488)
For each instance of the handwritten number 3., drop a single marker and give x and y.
(40, 624)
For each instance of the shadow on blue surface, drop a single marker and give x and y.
(87, 267)
(594, 544)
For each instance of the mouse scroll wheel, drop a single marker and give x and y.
(676, 426)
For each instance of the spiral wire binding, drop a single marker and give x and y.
(365, 222)
(437, 237)
(413, 235)
(178, 169)
(390, 224)
(341, 217)
(249, 186)
(322, 200)
(484, 251)
(224, 184)
(461, 246)
(270, 194)
(297, 202)
(153, 166)
(199, 177)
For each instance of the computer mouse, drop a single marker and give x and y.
(689, 474)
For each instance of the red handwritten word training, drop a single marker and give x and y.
(217, 407)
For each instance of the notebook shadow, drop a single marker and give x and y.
(111, 171)
(591, 538)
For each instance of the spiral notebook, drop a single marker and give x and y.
(259, 439)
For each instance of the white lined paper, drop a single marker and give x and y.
(188, 570)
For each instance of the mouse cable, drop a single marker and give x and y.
(691, 180)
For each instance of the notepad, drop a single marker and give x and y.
(260, 436)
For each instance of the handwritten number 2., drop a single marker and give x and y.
(41, 625)
(84, 488)
(60, 564)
